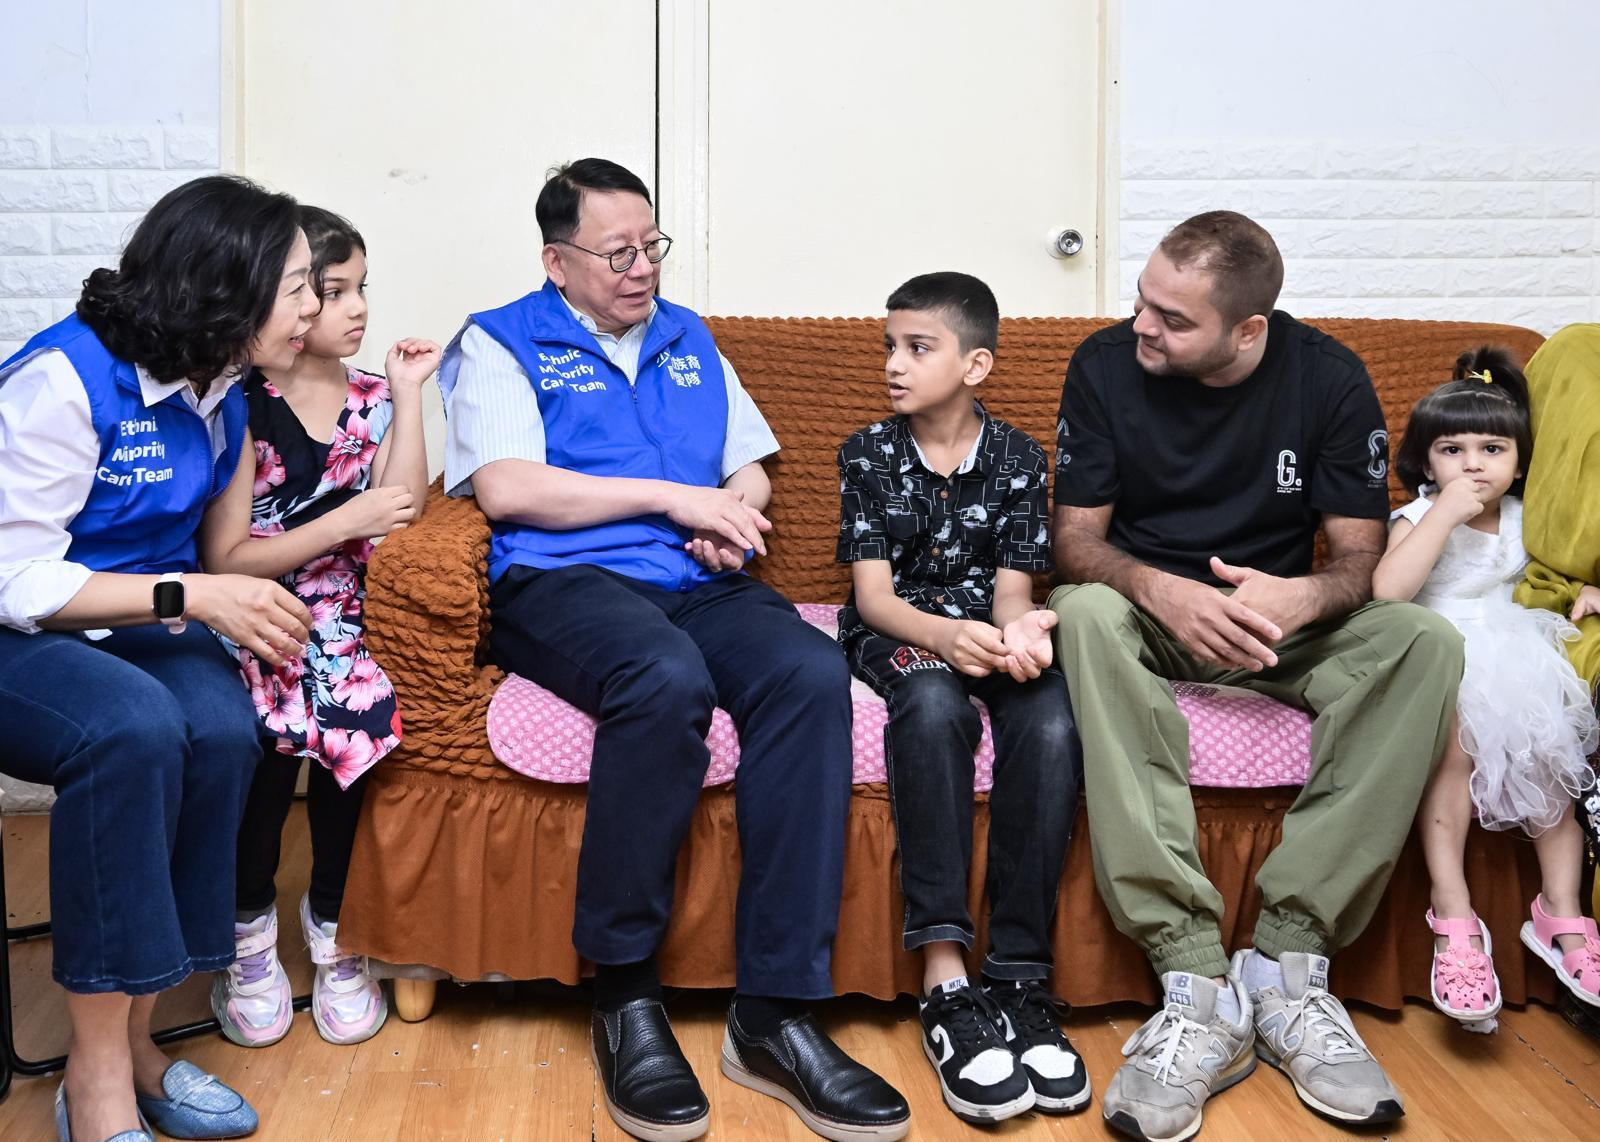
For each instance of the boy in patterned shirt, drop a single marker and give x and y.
(944, 520)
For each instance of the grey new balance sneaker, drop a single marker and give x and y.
(1306, 1033)
(1182, 1056)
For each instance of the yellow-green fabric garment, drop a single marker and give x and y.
(1561, 506)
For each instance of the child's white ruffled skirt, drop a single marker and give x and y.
(1527, 719)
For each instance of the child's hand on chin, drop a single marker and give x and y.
(1459, 499)
(411, 361)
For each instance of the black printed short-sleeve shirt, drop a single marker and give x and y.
(944, 536)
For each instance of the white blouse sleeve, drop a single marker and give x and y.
(48, 455)
(1412, 512)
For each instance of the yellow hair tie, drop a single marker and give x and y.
(1486, 377)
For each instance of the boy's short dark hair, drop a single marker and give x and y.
(966, 304)
(557, 208)
(1241, 257)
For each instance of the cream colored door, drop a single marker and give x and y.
(430, 126)
(854, 143)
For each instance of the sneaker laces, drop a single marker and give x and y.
(1325, 1016)
(1035, 1013)
(973, 1018)
(253, 969)
(1181, 1033)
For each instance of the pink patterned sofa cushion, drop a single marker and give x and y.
(1237, 739)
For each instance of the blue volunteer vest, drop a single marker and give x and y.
(156, 471)
(669, 425)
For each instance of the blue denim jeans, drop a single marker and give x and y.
(932, 734)
(150, 741)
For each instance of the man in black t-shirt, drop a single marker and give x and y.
(1201, 444)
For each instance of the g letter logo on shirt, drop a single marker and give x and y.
(1288, 473)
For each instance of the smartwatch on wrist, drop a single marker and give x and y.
(169, 602)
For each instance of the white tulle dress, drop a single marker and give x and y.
(1527, 719)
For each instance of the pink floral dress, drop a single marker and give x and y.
(336, 704)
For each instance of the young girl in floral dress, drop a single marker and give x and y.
(337, 461)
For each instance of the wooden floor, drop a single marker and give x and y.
(491, 1065)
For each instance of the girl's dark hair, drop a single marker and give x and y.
(332, 240)
(1488, 397)
(197, 281)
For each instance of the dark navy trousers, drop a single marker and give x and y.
(651, 665)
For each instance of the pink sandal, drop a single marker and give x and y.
(1465, 986)
(1579, 970)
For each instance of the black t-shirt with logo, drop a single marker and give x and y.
(1245, 473)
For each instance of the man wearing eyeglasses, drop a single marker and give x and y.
(619, 460)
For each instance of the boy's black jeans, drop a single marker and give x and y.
(932, 735)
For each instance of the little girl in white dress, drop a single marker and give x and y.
(1526, 721)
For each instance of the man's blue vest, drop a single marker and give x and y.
(669, 425)
(156, 471)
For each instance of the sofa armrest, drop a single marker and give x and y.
(427, 615)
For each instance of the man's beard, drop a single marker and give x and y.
(1212, 361)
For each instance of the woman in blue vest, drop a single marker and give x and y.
(117, 426)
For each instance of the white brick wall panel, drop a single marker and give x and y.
(8, 348)
(93, 233)
(1311, 308)
(1468, 238)
(107, 148)
(192, 148)
(1546, 314)
(1569, 199)
(1497, 277)
(1289, 236)
(1397, 200)
(1497, 200)
(1569, 277)
(1308, 198)
(1368, 160)
(1139, 238)
(21, 318)
(1128, 276)
(1348, 240)
(1559, 161)
(62, 307)
(52, 190)
(24, 234)
(24, 147)
(46, 277)
(1398, 278)
(1169, 159)
(1466, 160)
(139, 190)
(1266, 160)
(1316, 279)
(1545, 238)
(1158, 199)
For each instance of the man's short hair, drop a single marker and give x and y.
(966, 304)
(557, 208)
(1241, 257)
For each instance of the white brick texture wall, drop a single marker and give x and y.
(69, 198)
(1377, 229)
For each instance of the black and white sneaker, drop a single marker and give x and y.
(979, 1076)
(1031, 1020)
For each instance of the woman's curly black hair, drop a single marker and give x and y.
(197, 281)
(1469, 405)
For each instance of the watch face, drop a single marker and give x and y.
(169, 600)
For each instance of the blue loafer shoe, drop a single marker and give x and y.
(64, 1124)
(198, 1105)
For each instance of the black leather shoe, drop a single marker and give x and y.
(831, 1092)
(650, 1090)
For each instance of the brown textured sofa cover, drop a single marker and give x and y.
(468, 869)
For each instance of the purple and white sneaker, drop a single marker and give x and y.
(347, 1003)
(252, 999)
